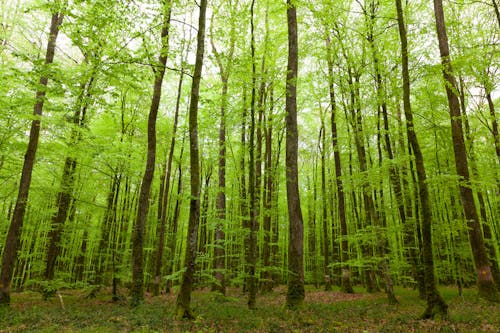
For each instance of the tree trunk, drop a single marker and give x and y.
(494, 123)
(435, 303)
(219, 246)
(415, 236)
(65, 194)
(106, 227)
(295, 293)
(369, 206)
(12, 241)
(219, 251)
(344, 254)
(490, 248)
(171, 244)
(324, 208)
(184, 296)
(252, 237)
(165, 189)
(393, 173)
(203, 237)
(243, 187)
(497, 12)
(137, 290)
(268, 197)
(486, 284)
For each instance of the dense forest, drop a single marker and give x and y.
(159, 146)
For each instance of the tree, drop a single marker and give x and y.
(142, 212)
(497, 11)
(184, 296)
(344, 253)
(224, 73)
(435, 303)
(486, 284)
(380, 203)
(252, 183)
(11, 246)
(295, 292)
(65, 194)
(164, 193)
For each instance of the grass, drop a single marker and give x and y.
(321, 312)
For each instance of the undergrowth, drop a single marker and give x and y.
(322, 312)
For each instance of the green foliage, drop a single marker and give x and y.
(116, 43)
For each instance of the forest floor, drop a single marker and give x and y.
(322, 312)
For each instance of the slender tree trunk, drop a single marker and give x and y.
(65, 194)
(111, 238)
(137, 290)
(171, 244)
(79, 267)
(435, 303)
(494, 123)
(119, 233)
(243, 187)
(165, 189)
(410, 247)
(295, 293)
(252, 237)
(275, 220)
(394, 177)
(203, 237)
(489, 241)
(114, 234)
(102, 261)
(497, 12)
(268, 197)
(219, 246)
(219, 251)
(324, 208)
(344, 254)
(311, 261)
(416, 234)
(184, 296)
(486, 284)
(369, 206)
(58, 219)
(490, 248)
(11, 246)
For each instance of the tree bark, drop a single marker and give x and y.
(497, 12)
(324, 208)
(219, 251)
(393, 172)
(295, 292)
(165, 189)
(171, 244)
(370, 217)
(137, 290)
(203, 237)
(486, 284)
(435, 303)
(344, 254)
(12, 241)
(184, 298)
(65, 194)
(268, 197)
(494, 122)
(252, 236)
(490, 248)
(243, 186)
